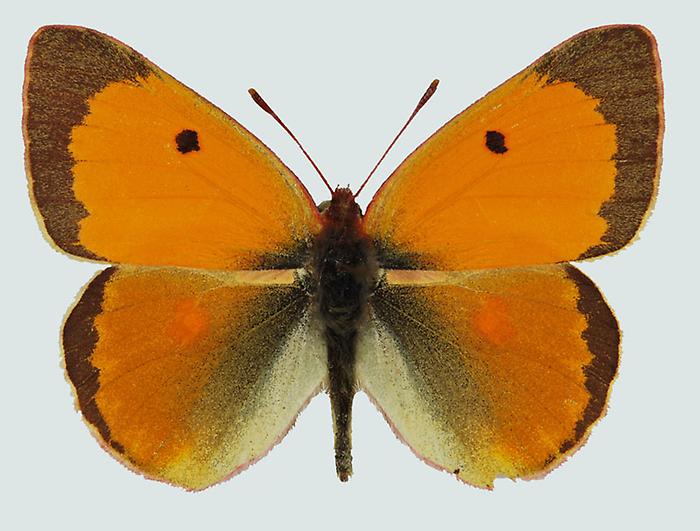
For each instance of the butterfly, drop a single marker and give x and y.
(231, 299)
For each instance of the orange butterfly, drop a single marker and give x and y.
(234, 300)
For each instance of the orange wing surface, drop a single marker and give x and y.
(490, 374)
(189, 376)
(559, 163)
(127, 165)
(489, 357)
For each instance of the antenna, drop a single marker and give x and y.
(424, 99)
(257, 98)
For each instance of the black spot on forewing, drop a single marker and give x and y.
(496, 142)
(187, 140)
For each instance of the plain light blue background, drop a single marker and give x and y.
(344, 77)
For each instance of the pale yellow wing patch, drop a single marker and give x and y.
(188, 377)
(495, 373)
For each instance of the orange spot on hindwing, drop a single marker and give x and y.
(492, 321)
(190, 320)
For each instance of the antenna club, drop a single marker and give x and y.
(257, 98)
(423, 100)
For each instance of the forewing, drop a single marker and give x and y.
(490, 374)
(127, 165)
(188, 377)
(559, 163)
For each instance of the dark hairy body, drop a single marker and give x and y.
(344, 268)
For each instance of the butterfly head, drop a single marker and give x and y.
(342, 208)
